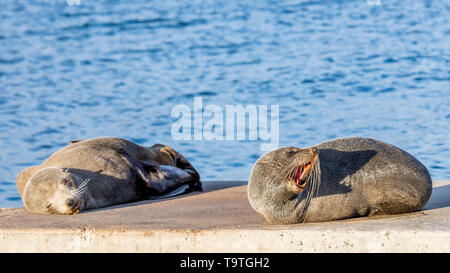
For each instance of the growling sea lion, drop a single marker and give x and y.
(104, 171)
(337, 179)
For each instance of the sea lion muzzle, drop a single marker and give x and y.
(104, 171)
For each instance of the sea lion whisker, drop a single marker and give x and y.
(294, 166)
(305, 207)
(83, 184)
(79, 194)
(80, 191)
(316, 177)
(82, 187)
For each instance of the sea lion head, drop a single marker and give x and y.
(55, 190)
(281, 176)
(293, 167)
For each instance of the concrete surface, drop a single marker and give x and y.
(221, 220)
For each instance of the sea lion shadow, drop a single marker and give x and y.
(439, 198)
(336, 165)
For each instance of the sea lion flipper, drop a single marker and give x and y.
(178, 161)
(159, 179)
(138, 167)
(182, 163)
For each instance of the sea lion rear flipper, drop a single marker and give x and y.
(147, 173)
(182, 163)
(23, 177)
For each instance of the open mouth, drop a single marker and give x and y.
(301, 175)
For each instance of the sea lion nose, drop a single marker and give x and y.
(313, 150)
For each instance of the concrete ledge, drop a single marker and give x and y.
(221, 220)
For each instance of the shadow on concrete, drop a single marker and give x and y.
(208, 186)
(440, 198)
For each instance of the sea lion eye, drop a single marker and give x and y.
(49, 205)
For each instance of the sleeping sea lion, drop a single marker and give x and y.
(104, 171)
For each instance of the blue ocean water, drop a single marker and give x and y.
(117, 68)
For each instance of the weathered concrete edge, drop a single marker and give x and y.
(242, 240)
(389, 235)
